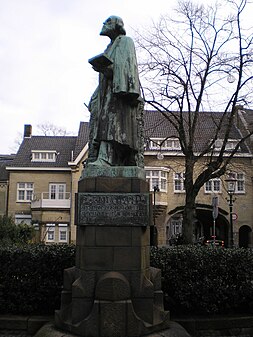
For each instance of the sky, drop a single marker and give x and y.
(44, 50)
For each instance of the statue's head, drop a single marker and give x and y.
(114, 25)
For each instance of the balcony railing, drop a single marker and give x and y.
(51, 200)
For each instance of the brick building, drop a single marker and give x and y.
(43, 179)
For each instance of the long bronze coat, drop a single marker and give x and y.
(114, 104)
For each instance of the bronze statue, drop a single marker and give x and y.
(116, 106)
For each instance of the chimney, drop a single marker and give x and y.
(27, 131)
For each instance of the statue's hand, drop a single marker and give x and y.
(107, 71)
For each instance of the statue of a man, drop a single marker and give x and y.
(116, 105)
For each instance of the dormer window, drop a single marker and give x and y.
(164, 144)
(43, 156)
(231, 144)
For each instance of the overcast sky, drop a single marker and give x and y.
(44, 50)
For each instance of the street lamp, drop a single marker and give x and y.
(153, 234)
(231, 184)
(156, 189)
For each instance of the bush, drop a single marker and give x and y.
(200, 280)
(8, 230)
(10, 233)
(206, 280)
(31, 277)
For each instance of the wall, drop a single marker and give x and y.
(3, 198)
(242, 206)
(41, 182)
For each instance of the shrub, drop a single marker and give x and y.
(31, 277)
(205, 280)
(200, 280)
(10, 233)
(8, 230)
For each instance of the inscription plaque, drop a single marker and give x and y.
(116, 209)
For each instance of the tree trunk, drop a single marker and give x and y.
(188, 219)
(190, 197)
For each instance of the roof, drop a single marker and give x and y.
(248, 115)
(66, 148)
(82, 139)
(158, 126)
(5, 160)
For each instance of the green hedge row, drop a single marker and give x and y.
(31, 277)
(196, 279)
(204, 280)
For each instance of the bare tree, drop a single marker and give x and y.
(46, 129)
(49, 129)
(200, 61)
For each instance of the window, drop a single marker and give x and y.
(163, 181)
(24, 192)
(239, 182)
(171, 144)
(213, 186)
(63, 233)
(173, 229)
(240, 186)
(179, 182)
(57, 191)
(23, 218)
(176, 226)
(230, 145)
(41, 156)
(164, 144)
(51, 156)
(157, 178)
(50, 232)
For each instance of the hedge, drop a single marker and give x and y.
(195, 279)
(31, 277)
(206, 280)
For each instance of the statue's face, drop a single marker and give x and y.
(108, 27)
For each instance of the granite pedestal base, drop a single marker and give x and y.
(112, 291)
(174, 330)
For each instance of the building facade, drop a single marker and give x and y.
(165, 165)
(44, 175)
(42, 183)
(5, 160)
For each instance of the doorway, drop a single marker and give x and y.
(245, 236)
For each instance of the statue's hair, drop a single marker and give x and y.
(119, 24)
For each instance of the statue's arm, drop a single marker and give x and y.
(102, 64)
(106, 71)
(125, 71)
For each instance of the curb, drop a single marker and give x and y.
(223, 325)
(23, 324)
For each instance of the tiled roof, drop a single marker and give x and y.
(5, 160)
(158, 126)
(248, 115)
(155, 126)
(82, 138)
(66, 148)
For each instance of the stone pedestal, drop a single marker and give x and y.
(112, 290)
